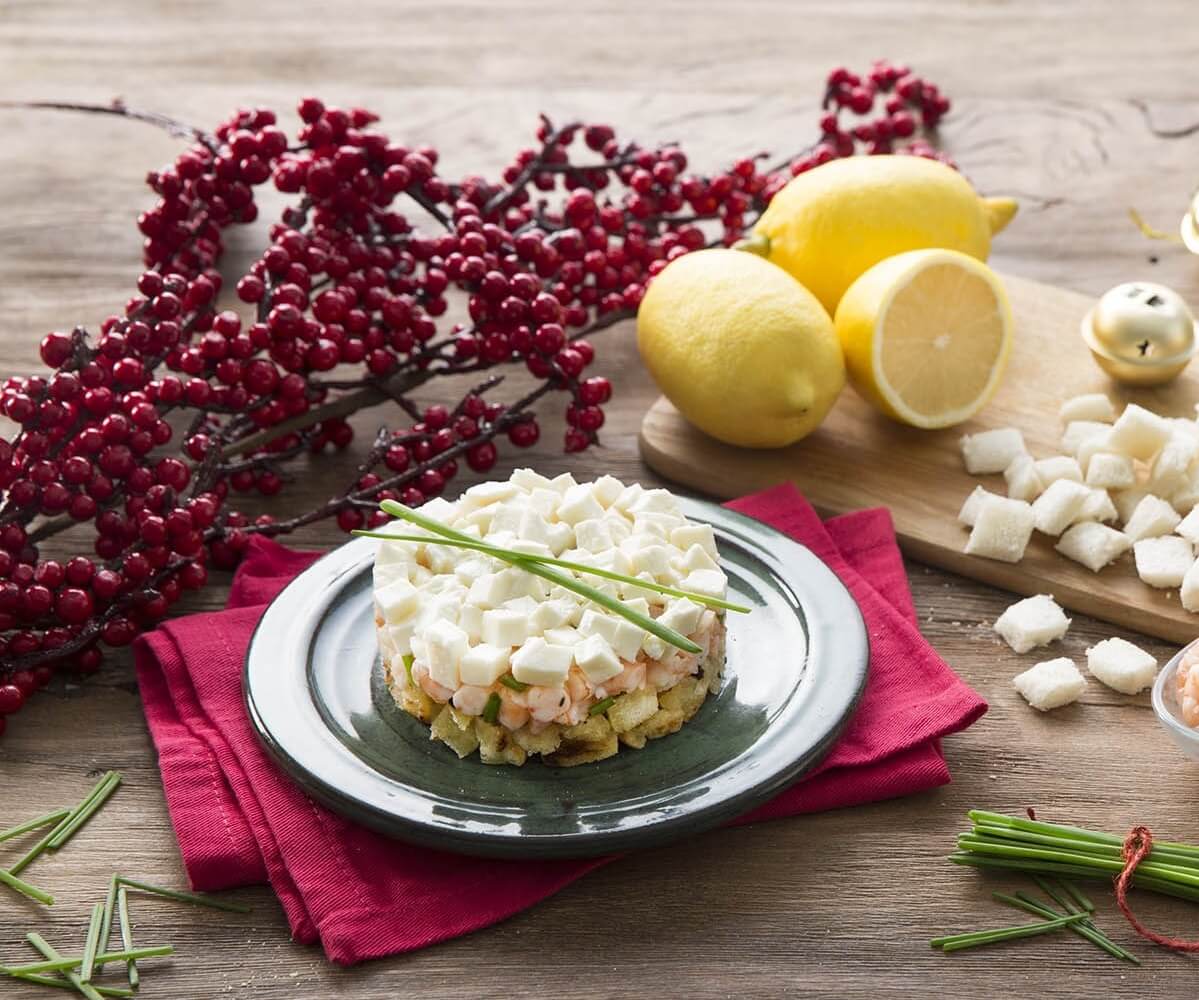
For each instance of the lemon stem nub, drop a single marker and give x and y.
(757, 243)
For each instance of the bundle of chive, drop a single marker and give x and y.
(75, 972)
(546, 567)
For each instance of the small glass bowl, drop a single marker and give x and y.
(1165, 706)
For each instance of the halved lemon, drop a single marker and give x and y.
(926, 336)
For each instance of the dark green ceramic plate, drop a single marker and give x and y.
(796, 666)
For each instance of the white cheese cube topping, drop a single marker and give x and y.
(695, 534)
(528, 480)
(622, 635)
(445, 645)
(397, 601)
(1035, 621)
(541, 663)
(606, 489)
(578, 504)
(682, 615)
(1121, 665)
(709, 582)
(1051, 684)
(991, 451)
(483, 665)
(490, 590)
(597, 659)
(594, 535)
(504, 627)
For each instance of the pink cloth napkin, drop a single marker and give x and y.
(240, 821)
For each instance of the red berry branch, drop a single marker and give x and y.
(149, 428)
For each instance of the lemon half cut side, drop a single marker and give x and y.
(927, 335)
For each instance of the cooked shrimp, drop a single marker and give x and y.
(471, 700)
(629, 679)
(547, 703)
(513, 711)
(420, 674)
(1190, 698)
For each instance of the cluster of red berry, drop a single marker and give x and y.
(347, 283)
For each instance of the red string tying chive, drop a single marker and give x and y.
(1137, 846)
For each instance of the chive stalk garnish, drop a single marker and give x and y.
(567, 582)
(42, 946)
(975, 939)
(88, 965)
(127, 936)
(63, 963)
(110, 907)
(600, 707)
(57, 816)
(491, 711)
(25, 889)
(1085, 928)
(499, 552)
(63, 984)
(85, 810)
(408, 659)
(184, 897)
(1078, 896)
(511, 682)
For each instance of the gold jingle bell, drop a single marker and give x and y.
(1140, 333)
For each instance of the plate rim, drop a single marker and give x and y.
(829, 591)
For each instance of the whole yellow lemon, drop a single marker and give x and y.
(832, 223)
(743, 350)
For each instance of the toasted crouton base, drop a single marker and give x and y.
(632, 720)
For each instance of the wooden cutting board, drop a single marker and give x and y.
(860, 459)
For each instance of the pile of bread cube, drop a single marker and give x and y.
(1123, 483)
(1037, 621)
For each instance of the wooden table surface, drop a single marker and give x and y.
(1063, 105)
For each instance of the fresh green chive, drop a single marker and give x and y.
(600, 707)
(499, 552)
(34, 824)
(63, 984)
(511, 682)
(80, 986)
(1084, 929)
(127, 935)
(110, 908)
(567, 582)
(1078, 895)
(974, 939)
(24, 888)
(408, 659)
(88, 966)
(491, 711)
(85, 810)
(185, 897)
(61, 963)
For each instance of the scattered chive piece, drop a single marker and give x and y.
(49, 840)
(408, 659)
(499, 552)
(40, 944)
(85, 810)
(601, 706)
(25, 889)
(491, 711)
(664, 633)
(34, 824)
(184, 897)
(63, 984)
(88, 966)
(61, 963)
(110, 907)
(975, 939)
(37, 849)
(1084, 929)
(1078, 895)
(127, 935)
(511, 682)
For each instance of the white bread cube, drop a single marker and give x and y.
(1186, 496)
(1035, 621)
(1092, 446)
(1163, 561)
(1078, 431)
(1106, 471)
(1121, 666)
(1175, 459)
(483, 665)
(1051, 684)
(1001, 530)
(1139, 433)
(1050, 470)
(1022, 480)
(1126, 500)
(1059, 506)
(1091, 406)
(1098, 507)
(969, 512)
(992, 451)
(1189, 591)
(1188, 527)
(1093, 545)
(1151, 518)
(541, 663)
